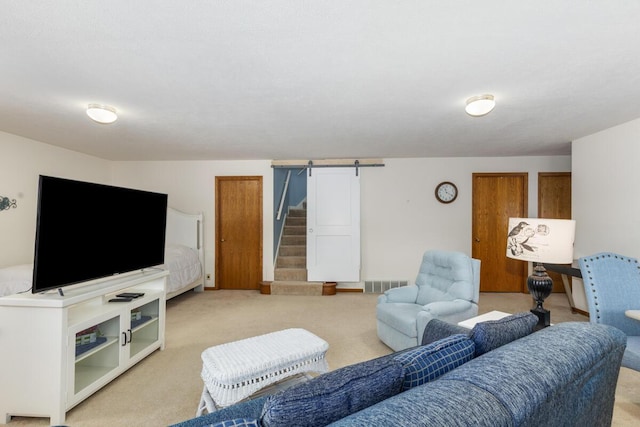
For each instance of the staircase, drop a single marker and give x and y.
(290, 274)
(291, 264)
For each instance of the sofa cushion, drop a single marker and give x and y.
(237, 422)
(334, 395)
(492, 334)
(437, 329)
(247, 409)
(426, 363)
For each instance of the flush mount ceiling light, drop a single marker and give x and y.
(480, 105)
(104, 114)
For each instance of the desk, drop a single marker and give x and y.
(566, 271)
(634, 314)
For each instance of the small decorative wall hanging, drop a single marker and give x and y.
(6, 203)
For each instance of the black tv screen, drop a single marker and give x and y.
(87, 231)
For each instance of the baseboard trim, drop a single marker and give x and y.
(328, 288)
(577, 310)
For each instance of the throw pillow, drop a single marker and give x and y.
(334, 395)
(492, 334)
(426, 363)
(238, 422)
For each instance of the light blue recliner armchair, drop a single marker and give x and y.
(447, 288)
(612, 286)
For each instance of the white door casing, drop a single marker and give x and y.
(333, 225)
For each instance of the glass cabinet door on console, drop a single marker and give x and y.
(143, 329)
(102, 350)
(62, 348)
(95, 355)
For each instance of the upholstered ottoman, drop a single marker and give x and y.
(234, 371)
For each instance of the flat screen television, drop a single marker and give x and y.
(87, 231)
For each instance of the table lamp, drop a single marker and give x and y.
(541, 240)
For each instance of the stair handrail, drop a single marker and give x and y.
(285, 189)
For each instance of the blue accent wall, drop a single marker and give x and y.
(296, 194)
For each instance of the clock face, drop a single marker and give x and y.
(446, 192)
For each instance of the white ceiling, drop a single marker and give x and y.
(255, 79)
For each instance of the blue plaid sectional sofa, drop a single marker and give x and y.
(500, 373)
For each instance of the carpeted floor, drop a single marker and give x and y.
(165, 388)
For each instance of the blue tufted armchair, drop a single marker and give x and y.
(447, 288)
(612, 286)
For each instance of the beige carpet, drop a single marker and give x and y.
(165, 388)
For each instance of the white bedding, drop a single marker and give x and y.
(183, 258)
(15, 279)
(183, 264)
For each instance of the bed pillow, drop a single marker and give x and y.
(492, 334)
(426, 363)
(334, 395)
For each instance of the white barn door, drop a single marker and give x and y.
(333, 225)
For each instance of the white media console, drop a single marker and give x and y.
(58, 350)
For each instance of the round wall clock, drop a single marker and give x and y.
(446, 192)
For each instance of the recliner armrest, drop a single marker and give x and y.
(448, 311)
(442, 309)
(406, 294)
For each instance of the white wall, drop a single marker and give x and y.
(605, 191)
(22, 161)
(191, 188)
(400, 215)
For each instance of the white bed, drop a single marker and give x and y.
(184, 253)
(184, 258)
(15, 279)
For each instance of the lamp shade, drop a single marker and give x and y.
(541, 240)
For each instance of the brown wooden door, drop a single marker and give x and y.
(554, 201)
(496, 198)
(238, 232)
